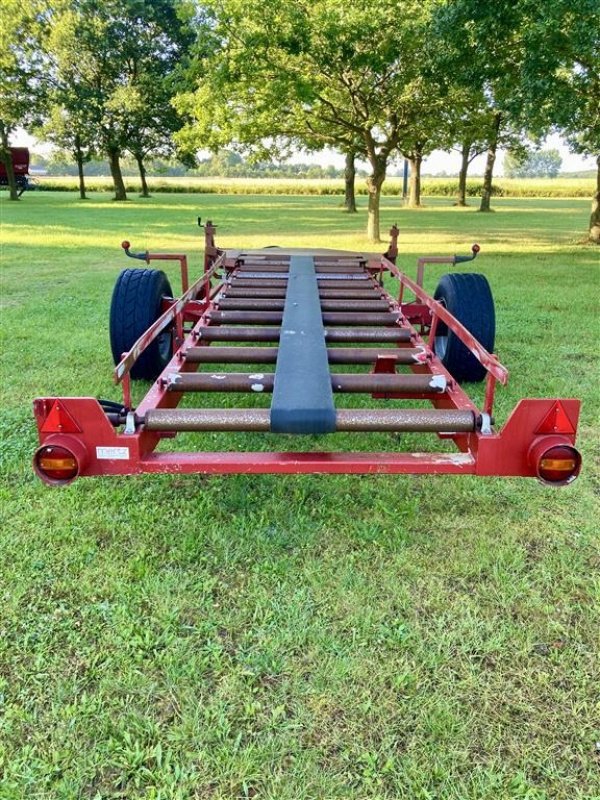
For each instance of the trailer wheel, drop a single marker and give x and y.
(468, 297)
(135, 305)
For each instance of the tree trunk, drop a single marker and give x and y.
(595, 217)
(79, 160)
(374, 184)
(414, 186)
(117, 175)
(462, 175)
(349, 176)
(142, 169)
(486, 193)
(6, 157)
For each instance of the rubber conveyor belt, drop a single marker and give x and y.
(302, 394)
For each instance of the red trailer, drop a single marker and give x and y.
(300, 332)
(20, 162)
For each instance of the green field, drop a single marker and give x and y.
(438, 187)
(287, 638)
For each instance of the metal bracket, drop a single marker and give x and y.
(130, 423)
(485, 424)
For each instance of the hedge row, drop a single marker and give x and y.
(440, 187)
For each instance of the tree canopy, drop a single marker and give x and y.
(539, 164)
(375, 80)
(23, 65)
(325, 73)
(115, 64)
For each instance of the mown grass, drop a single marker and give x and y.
(436, 187)
(296, 637)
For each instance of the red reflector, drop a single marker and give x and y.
(57, 463)
(556, 421)
(59, 421)
(559, 464)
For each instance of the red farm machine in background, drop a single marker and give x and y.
(20, 164)
(297, 333)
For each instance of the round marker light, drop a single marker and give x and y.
(56, 464)
(559, 464)
(125, 245)
(475, 249)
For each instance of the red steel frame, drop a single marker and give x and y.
(81, 425)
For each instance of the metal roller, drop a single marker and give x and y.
(270, 304)
(265, 292)
(268, 355)
(343, 276)
(320, 268)
(337, 285)
(284, 261)
(326, 268)
(426, 420)
(392, 334)
(251, 304)
(257, 267)
(257, 283)
(260, 275)
(263, 382)
(275, 317)
(219, 333)
(220, 382)
(231, 355)
(259, 419)
(208, 419)
(369, 355)
(359, 275)
(355, 305)
(277, 283)
(367, 293)
(381, 382)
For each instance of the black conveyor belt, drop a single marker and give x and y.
(302, 396)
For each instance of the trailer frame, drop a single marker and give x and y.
(105, 438)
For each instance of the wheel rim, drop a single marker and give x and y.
(164, 346)
(441, 336)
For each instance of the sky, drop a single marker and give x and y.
(437, 162)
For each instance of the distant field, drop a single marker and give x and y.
(440, 187)
(296, 637)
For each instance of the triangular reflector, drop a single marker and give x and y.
(556, 421)
(59, 421)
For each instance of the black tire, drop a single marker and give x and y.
(468, 297)
(135, 305)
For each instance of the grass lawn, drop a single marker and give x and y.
(287, 638)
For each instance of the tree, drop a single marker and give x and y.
(68, 131)
(541, 62)
(560, 69)
(349, 180)
(475, 47)
(428, 125)
(538, 164)
(121, 53)
(22, 73)
(86, 49)
(330, 73)
(71, 122)
(153, 118)
(492, 148)
(468, 129)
